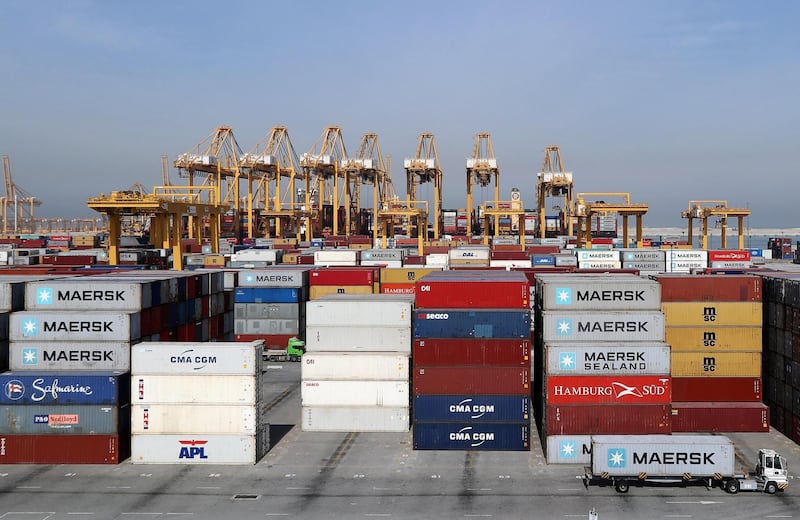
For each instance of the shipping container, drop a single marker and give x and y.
(597, 255)
(218, 358)
(581, 419)
(700, 389)
(320, 291)
(728, 255)
(362, 366)
(697, 417)
(479, 323)
(472, 408)
(339, 276)
(644, 256)
(653, 267)
(579, 292)
(295, 277)
(472, 436)
(65, 388)
(195, 418)
(12, 291)
(270, 326)
(708, 288)
(716, 364)
(196, 389)
(473, 289)
(65, 449)
(620, 389)
(594, 359)
(694, 314)
(712, 337)
(568, 449)
(56, 355)
(199, 448)
(355, 419)
(354, 393)
(379, 256)
(60, 419)
(349, 338)
(374, 311)
(606, 326)
(336, 257)
(88, 293)
(475, 351)
(599, 265)
(270, 294)
(272, 311)
(476, 379)
(398, 288)
(74, 326)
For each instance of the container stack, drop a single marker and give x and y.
(598, 259)
(471, 361)
(12, 298)
(713, 324)
(344, 280)
(402, 280)
(355, 372)
(197, 403)
(685, 260)
(601, 361)
(469, 255)
(646, 261)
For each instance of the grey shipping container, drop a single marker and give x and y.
(594, 359)
(278, 277)
(568, 449)
(602, 326)
(355, 419)
(566, 292)
(79, 419)
(273, 311)
(74, 326)
(58, 355)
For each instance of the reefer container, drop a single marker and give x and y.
(701, 389)
(197, 418)
(278, 277)
(568, 292)
(74, 326)
(362, 366)
(64, 449)
(608, 326)
(580, 419)
(220, 358)
(355, 419)
(196, 389)
(473, 289)
(12, 292)
(729, 314)
(716, 364)
(713, 337)
(594, 359)
(354, 393)
(199, 448)
(621, 389)
(597, 255)
(336, 257)
(471, 351)
(720, 417)
(349, 338)
(643, 255)
(56, 355)
(88, 293)
(472, 436)
(90, 388)
(477, 379)
(483, 323)
(373, 310)
(56, 419)
(568, 449)
(269, 326)
(472, 408)
(705, 288)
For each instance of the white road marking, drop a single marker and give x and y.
(567, 489)
(384, 489)
(703, 502)
(481, 516)
(80, 513)
(274, 367)
(207, 487)
(277, 514)
(28, 487)
(677, 516)
(780, 516)
(148, 514)
(118, 487)
(298, 488)
(479, 489)
(377, 514)
(177, 514)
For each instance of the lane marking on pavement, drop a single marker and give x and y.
(298, 488)
(118, 487)
(207, 487)
(277, 514)
(76, 513)
(780, 516)
(377, 514)
(677, 516)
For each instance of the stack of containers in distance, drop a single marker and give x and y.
(713, 324)
(343, 280)
(270, 305)
(355, 372)
(646, 261)
(782, 352)
(729, 259)
(469, 255)
(402, 280)
(600, 362)
(391, 258)
(471, 361)
(686, 260)
(336, 257)
(598, 259)
(197, 403)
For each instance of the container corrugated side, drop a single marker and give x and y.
(199, 448)
(376, 310)
(608, 326)
(321, 291)
(472, 436)
(354, 393)
(716, 364)
(196, 389)
(438, 290)
(475, 351)
(65, 449)
(348, 338)
(387, 366)
(57, 355)
(196, 418)
(270, 294)
(699, 288)
(482, 323)
(355, 419)
(74, 326)
(404, 274)
(596, 359)
(54, 419)
(281, 311)
(219, 358)
(471, 408)
(723, 389)
(63, 388)
(277, 277)
(619, 389)
(720, 417)
(713, 337)
(635, 419)
(599, 293)
(87, 293)
(568, 449)
(478, 379)
(694, 314)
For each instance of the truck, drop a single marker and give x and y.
(295, 348)
(623, 461)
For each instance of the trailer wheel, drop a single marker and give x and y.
(621, 486)
(771, 488)
(732, 486)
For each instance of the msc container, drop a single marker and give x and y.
(473, 289)
(64, 449)
(87, 293)
(196, 389)
(354, 393)
(270, 294)
(719, 417)
(729, 314)
(659, 455)
(195, 418)
(568, 449)
(56, 355)
(378, 310)
(634, 419)
(700, 389)
(478, 379)
(348, 338)
(720, 288)
(607, 326)
(296, 277)
(74, 326)
(64, 388)
(355, 419)
(55, 419)
(199, 448)
(711, 337)
(568, 292)
(594, 359)
(716, 364)
(217, 358)
(622, 389)
(472, 436)
(362, 366)
(476, 351)
(483, 323)
(472, 408)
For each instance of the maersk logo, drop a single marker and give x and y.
(563, 296)
(44, 295)
(564, 327)
(249, 278)
(30, 327)
(617, 457)
(566, 361)
(568, 449)
(30, 356)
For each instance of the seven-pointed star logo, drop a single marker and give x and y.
(30, 327)
(249, 278)
(567, 361)
(616, 457)
(564, 327)
(29, 356)
(563, 296)
(44, 295)
(568, 449)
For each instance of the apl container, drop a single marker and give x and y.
(64, 388)
(473, 289)
(74, 326)
(349, 338)
(378, 310)
(609, 326)
(354, 393)
(621, 389)
(472, 436)
(64, 449)
(716, 364)
(711, 337)
(730, 314)
(568, 449)
(483, 323)
(199, 448)
(56, 355)
(217, 358)
(476, 351)
(472, 408)
(594, 359)
(295, 277)
(198, 418)
(355, 419)
(703, 389)
(576, 292)
(719, 417)
(367, 366)
(639, 419)
(477, 379)
(196, 389)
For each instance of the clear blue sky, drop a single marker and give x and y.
(669, 100)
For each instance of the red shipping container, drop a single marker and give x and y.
(622, 389)
(508, 247)
(75, 259)
(305, 259)
(65, 449)
(708, 288)
(719, 417)
(414, 260)
(728, 255)
(478, 351)
(467, 289)
(271, 341)
(634, 419)
(509, 255)
(397, 288)
(477, 379)
(542, 250)
(344, 276)
(704, 389)
(436, 250)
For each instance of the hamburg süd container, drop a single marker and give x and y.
(472, 436)
(580, 419)
(479, 323)
(363, 366)
(65, 388)
(199, 448)
(355, 419)
(472, 408)
(373, 310)
(349, 338)
(718, 416)
(620, 389)
(65, 449)
(216, 358)
(568, 449)
(473, 289)
(475, 379)
(198, 418)
(354, 393)
(712, 337)
(607, 326)
(716, 364)
(295, 277)
(576, 292)
(475, 351)
(705, 389)
(56, 419)
(594, 359)
(730, 314)
(704, 288)
(74, 326)
(196, 389)
(57, 355)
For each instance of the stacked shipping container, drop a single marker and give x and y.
(344, 280)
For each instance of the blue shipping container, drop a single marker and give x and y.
(73, 387)
(472, 408)
(488, 323)
(53, 419)
(475, 436)
(756, 252)
(543, 260)
(269, 295)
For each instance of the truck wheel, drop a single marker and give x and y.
(732, 486)
(771, 488)
(621, 486)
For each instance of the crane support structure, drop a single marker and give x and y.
(322, 164)
(367, 168)
(584, 209)
(703, 209)
(424, 167)
(554, 181)
(503, 209)
(482, 170)
(20, 202)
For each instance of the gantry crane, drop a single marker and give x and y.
(422, 168)
(366, 168)
(514, 209)
(271, 162)
(393, 211)
(165, 171)
(554, 181)
(703, 209)
(482, 170)
(585, 208)
(322, 165)
(21, 202)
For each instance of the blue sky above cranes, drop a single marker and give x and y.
(669, 100)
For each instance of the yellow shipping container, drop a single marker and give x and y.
(404, 274)
(716, 364)
(732, 314)
(360, 246)
(214, 260)
(290, 258)
(469, 261)
(318, 291)
(285, 241)
(711, 338)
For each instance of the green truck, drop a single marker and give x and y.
(295, 348)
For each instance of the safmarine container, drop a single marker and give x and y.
(635, 419)
(472, 408)
(477, 379)
(56, 355)
(473, 289)
(88, 293)
(74, 326)
(579, 292)
(594, 359)
(378, 310)
(568, 449)
(198, 418)
(712, 337)
(64, 449)
(348, 338)
(270, 294)
(354, 393)
(194, 389)
(475, 351)
(716, 364)
(216, 358)
(355, 419)
(472, 436)
(606, 326)
(482, 323)
(295, 277)
(375, 366)
(65, 388)
(620, 389)
(720, 417)
(54, 419)
(705, 288)
(199, 448)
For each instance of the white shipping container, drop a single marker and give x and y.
(510, 263)
(599, 264)
(74, 326)
(87, 293)
(348, 338)
(643, 255)
(595, 359)
(58, 355)
(469, 253)
(597, 255)
(199, 448)
(607, 326)
(279, 277)
(374, 366)
(195, 418)
(656, 267)
(437, 260)
(359, 310)
(336, 257)
(581, 292)
(258, 255)
(685, 266)
(386, 263)
(196, 389)
(354, 393)
(569, 449)
(731, 265)
(381, 255)
(216, 358)
(566, 260)
(355, 419)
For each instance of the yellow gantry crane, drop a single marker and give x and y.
(482, 170)
(322, 165)
(366, 168)
(585, 208)
(554, 181)
(423, 168)
(19, 202)
(703, 209)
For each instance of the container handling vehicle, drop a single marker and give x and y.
(623, 461)
(295, 348)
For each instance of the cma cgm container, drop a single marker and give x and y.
(354, 393)
(343, 418)
(74, 326)
(199, 448)
(720, 417)
(609, 326)
(477, 379)
(376, 366)
(607, 419)
(56, 355)
(200, 418)
(472, 436)
(472, 408)
(490, 323)
(55, 419)
(607, 358)
(477, 351)
(63, 388)
(473, 289)
(620, 389)
(597, 293)
(64, 449)
(700, 389)
(189, 389)
(220, 358)
(378, 310)
(707, 288)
